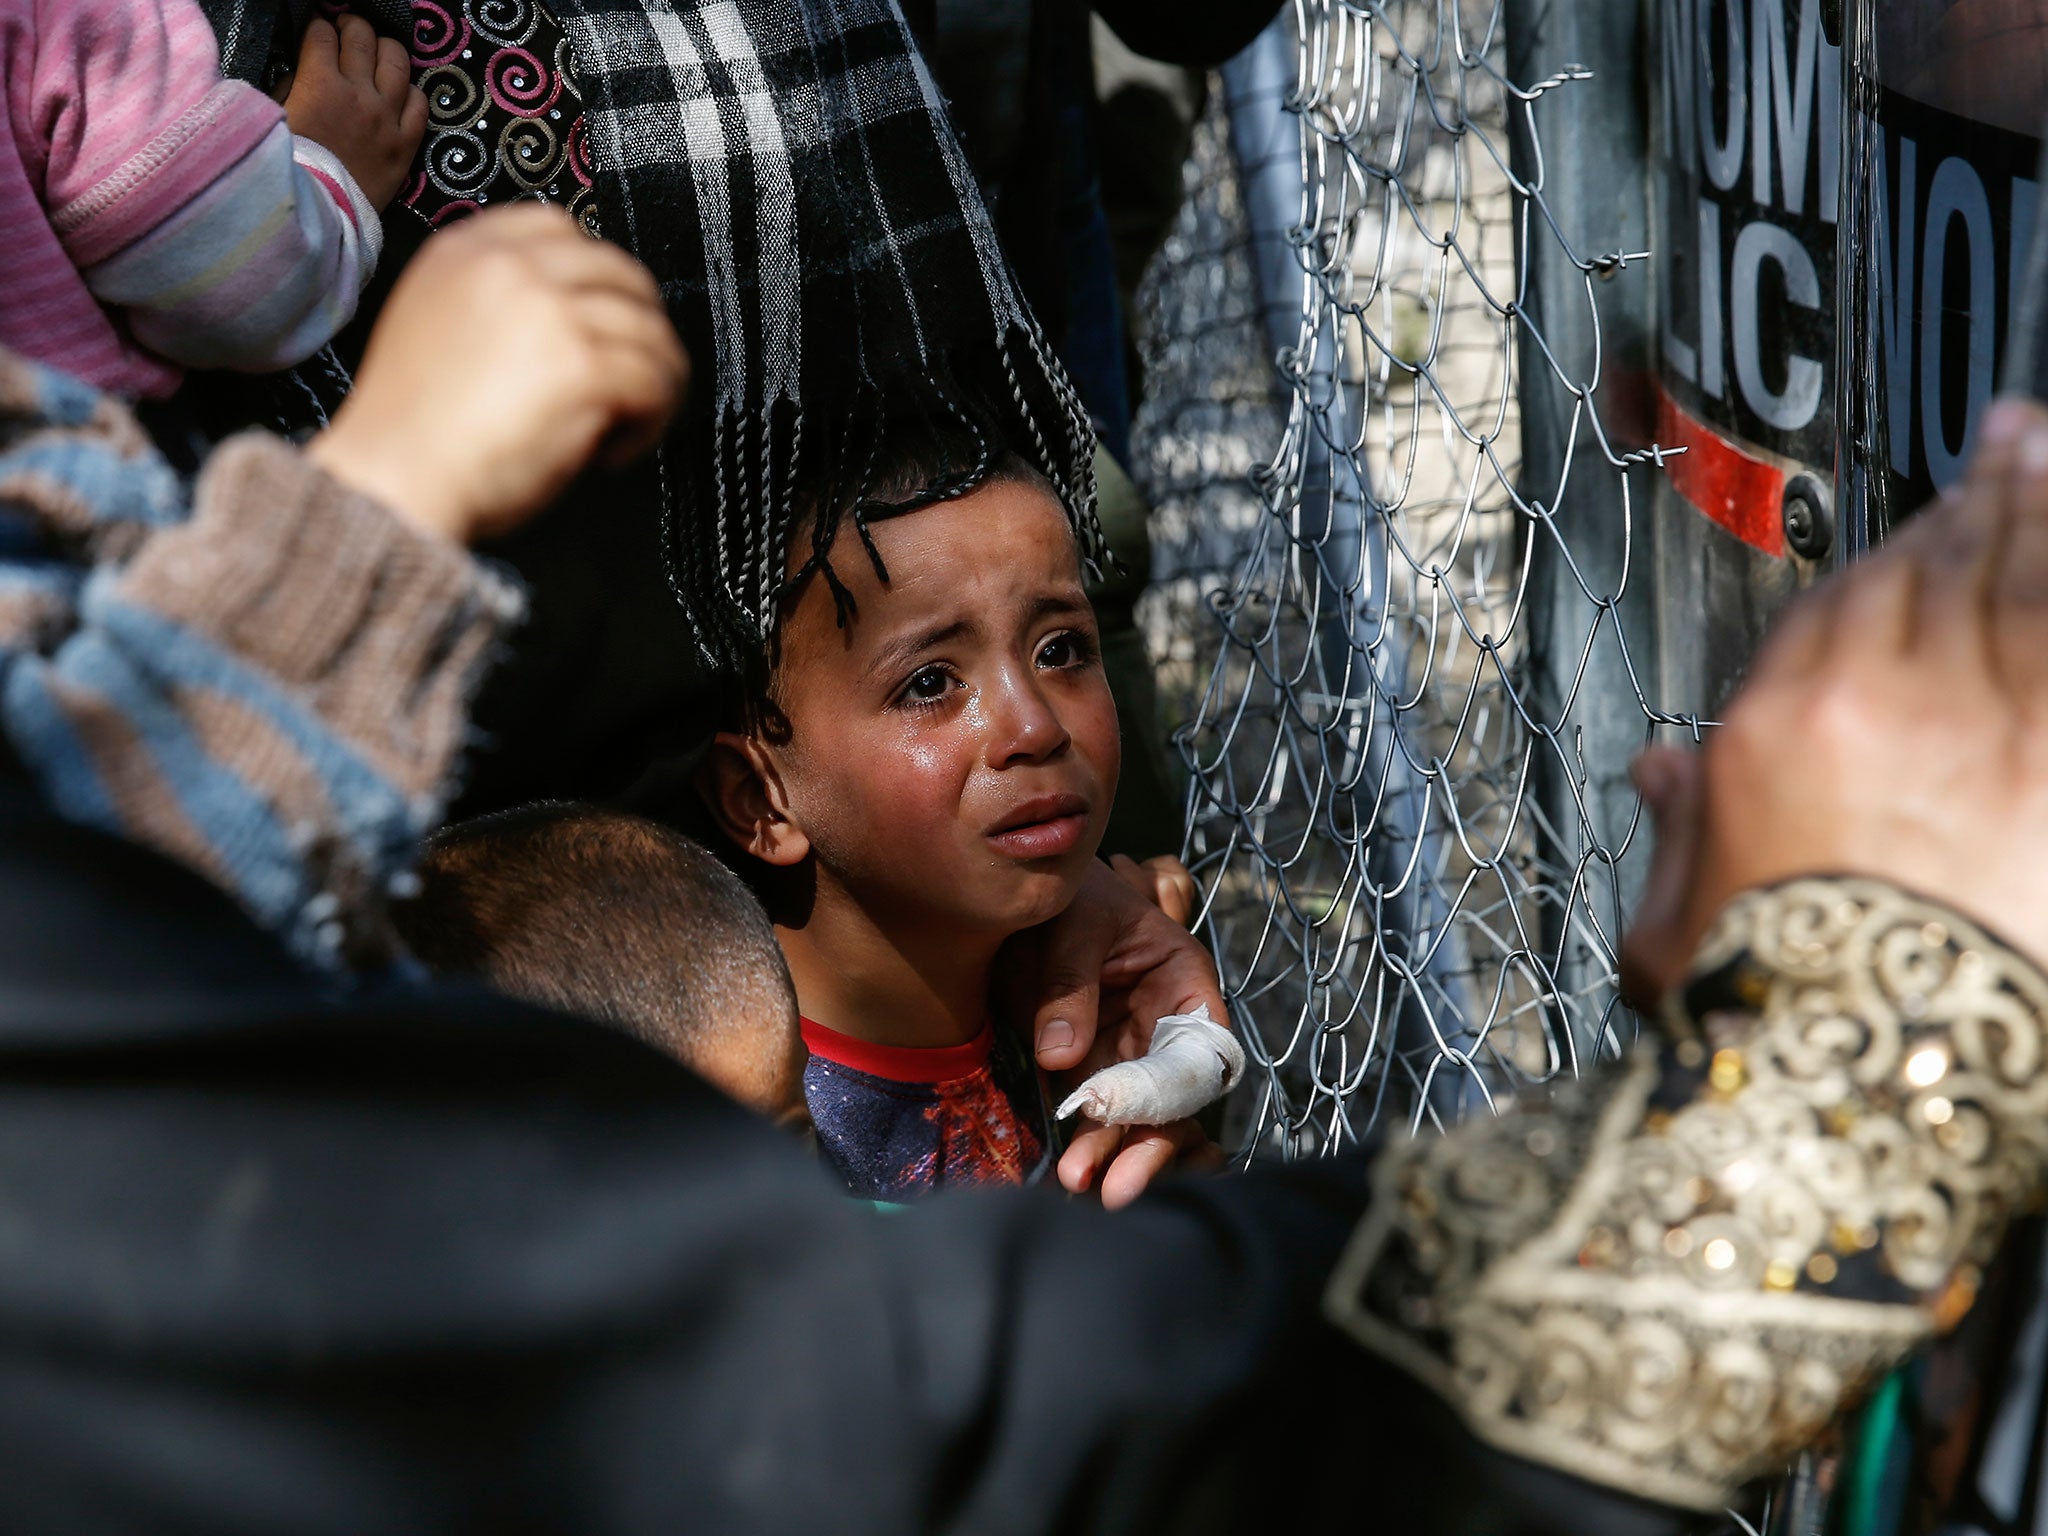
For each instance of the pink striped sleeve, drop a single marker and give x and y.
(134, 117)
(258, 272)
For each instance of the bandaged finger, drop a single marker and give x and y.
(1193, 1062)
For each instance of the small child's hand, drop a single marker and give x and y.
(353, 96)
(1162, 880)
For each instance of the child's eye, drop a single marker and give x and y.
(927, 685)
(1069, 648)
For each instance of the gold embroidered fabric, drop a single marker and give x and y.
(1669, 1279)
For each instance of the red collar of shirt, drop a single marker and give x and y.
(899, 1063)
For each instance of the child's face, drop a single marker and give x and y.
(953, 747)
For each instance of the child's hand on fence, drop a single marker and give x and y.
(353, 96)
(1097, 978)
(1121, 1161)
(514, 350)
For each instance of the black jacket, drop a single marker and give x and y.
(273, 1261)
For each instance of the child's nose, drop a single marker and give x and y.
(1025, 726)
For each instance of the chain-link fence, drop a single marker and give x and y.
(1393, 569)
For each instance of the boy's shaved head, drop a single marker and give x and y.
(622, 920)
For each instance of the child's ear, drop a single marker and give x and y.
(743, 787)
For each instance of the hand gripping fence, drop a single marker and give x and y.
(1401, 593)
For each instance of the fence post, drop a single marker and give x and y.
(1584, 347)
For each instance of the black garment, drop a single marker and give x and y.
(1020, 86)
(259, 39)
(602, 678)
(273, 1261)
(1967, 1455)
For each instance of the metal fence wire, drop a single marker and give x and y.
(1400, 662)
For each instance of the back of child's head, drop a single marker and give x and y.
(622, 920)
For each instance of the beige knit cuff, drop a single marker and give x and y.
(382, 627)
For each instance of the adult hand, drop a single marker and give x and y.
(514, 350)
(1102, 973)
(1894, 725)
(352, 94)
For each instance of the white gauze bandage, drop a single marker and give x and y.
(1193, 1061)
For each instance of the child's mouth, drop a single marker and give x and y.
(1043, 827)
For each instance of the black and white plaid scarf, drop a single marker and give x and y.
(787, 169)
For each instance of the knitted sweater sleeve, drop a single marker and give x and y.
(258, 271)
(1669, 1283)
(270, 686)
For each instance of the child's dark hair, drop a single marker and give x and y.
(602, 914)
(911, 464)
(759, 499)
